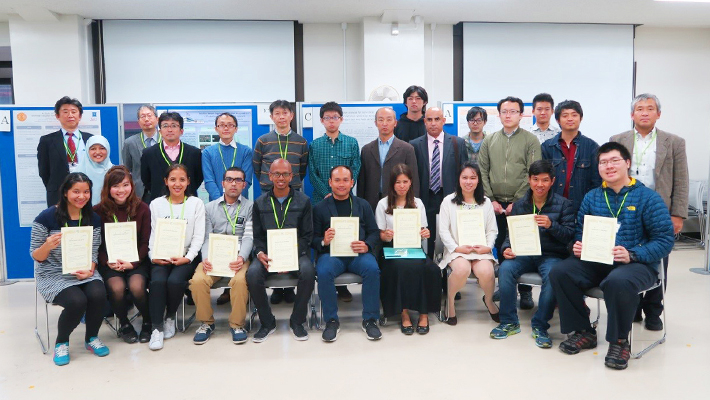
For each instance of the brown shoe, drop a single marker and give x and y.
(223, 298)
(452, 321)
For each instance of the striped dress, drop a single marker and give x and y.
(50, 281)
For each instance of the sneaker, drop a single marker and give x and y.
(653, 323)
(289, 295)
(344, 294)
(277, 296)
(526, 301)
(239, 335)
(542, 338)
(579, 341)
(371, 329)
(128, 334)
(263, 333)
(502, 331)
(168, 328)
(144, 336)
(332, 328)
(156, 340)
(618, 355)
(61, 354)
(96, 346)
(203, 333)
(299, 332)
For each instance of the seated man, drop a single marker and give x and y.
(555, 220)
(644, 236)
(228, 215)
(281, 207)
(343, 204)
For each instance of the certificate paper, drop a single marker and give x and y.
(121, 241)
(407, 228)
(169, 238)
(598, 239)
(347, 230)
(77, 244)
(524, 235)
(223, 249)
(471, 228)
(282, 249)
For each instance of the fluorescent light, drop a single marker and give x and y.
(686, 1)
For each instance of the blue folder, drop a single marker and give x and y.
(403, 253)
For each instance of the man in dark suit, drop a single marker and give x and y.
(379, 156)
(60, 152)
(156, 159)
(439, 158)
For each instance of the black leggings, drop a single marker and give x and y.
(167, 287)
(88, 298)
(116, 287)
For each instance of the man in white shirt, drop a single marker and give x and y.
(543, 106)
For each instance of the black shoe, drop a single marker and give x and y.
(332, 328)
(618, 355)
(128, 334)
(452, 321)
(299, 332)
(344, 294)
(496, 296)
(223, 298)
(190, 301)
(407, 330)
(457, 296)
(277, 296)
(371, 329)
(423, 330)
(653, 323)
(144, 336)
(579, 341)
(638, 317)
(263, 333)
(495, 317)
(289, 295)
(526, 301)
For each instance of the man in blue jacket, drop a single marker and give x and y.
(644, 237)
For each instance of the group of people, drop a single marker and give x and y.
(640, 177)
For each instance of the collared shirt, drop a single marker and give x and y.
(217, 222)
(430, 140)
(79, 145)
(569, 153)
(472, 148)
(384, 148)
(172, 151)
(643, 158)
(150, 141)
(324, 154)
(548, 133)
(232, 144)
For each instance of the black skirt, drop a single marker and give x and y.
(411, 284)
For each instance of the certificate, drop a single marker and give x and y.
(524, 235)
(282, 247)
(407, 228)
(169, 238)
(77, 243)
(347, 231)
(223, 249)
(598, 239)
(121, 241)
(471, 228)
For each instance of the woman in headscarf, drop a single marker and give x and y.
(96, 165)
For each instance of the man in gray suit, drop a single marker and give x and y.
(133, 146)
(659, 161)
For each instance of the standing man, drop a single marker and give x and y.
(439, 159)
(133, 146)
(572, 154)
(379, 156)
(411, 123)
(542, 110)
(476, 118)
(505, 158)
(281, 207)
(660, 162)
(60, 152)
(226, 154)
(156, 160)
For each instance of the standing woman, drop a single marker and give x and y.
(96, 164)
(466, 259)
(169, 278)
(411, 284)
(119, 203)
(81, 292)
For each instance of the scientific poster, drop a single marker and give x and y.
(358, 122)
(493, 124)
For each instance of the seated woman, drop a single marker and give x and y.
(119, 203)
(411, 284)
(81, 292)
(463, 259)
(169, 277)
(96, 164)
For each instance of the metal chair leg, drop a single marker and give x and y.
(185, 322)
(657, 342)
(45, 347)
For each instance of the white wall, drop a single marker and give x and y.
(4, 33)
(439, 69)
(672, 63)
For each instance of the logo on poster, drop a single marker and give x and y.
(21, 117)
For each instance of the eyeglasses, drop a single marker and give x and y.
(331, 118)
(172, 126)
(222, 126)
(510, 112)
(280, 174)
(146, 116)
(229, 179)
(476, 121)
(613, 161)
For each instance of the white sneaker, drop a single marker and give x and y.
(156, 340)
(169, 328)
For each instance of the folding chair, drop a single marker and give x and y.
(443, 313)
(284, 281)
(344, 279)
(184, 322)
(44, 343)
(696, 211)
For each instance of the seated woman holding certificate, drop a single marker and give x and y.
(468, 230)
(177, 223)
(123, 255)
(406, 283)
(65, 244)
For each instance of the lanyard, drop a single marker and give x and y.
(282, 152)
(160, 139)
(182, 213)
(162, 151)
(66, 224)
(537, 212)
(283, 221)
(636, 155)
(72, 157)
(351, 205)
(620, 207)
(233, 224)
(234, 157)
(116, 219)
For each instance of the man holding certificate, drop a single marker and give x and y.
(540, 228)
(283, 229)
(225, 253)
(345, 235)
(631, 233)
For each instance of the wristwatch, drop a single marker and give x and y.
(632, 256)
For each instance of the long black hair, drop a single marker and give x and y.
(397, 170)
(63, 205)
(477, 192)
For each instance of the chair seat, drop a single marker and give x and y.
(348, 278)
(281, 281)
(530, 278)
(595, 292)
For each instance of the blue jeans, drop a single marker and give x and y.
(365, 265)
(508, 274)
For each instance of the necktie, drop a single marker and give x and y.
(72, 157)
(435, 175)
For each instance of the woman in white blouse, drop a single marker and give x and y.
(464, 259)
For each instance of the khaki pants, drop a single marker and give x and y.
(200, 286)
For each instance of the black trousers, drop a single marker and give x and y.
(571, 277)
(502, 223)
(167, 287)
(88, 298)
(432, 207)
(651, 302)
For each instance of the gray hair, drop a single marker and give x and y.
(385, 108)
(148, 106)
(643, 97)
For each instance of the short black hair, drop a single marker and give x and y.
(541, 167)
(512, 100)
(280, 104)
(341, 166)
(418, 90)
(543, 98)
(568, 105)
(331, 106)
(228, 115)
(171, 116)
(68, 100)
(234, 169)
(608, 147)
(471, 114)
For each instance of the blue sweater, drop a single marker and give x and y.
(213, 167)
